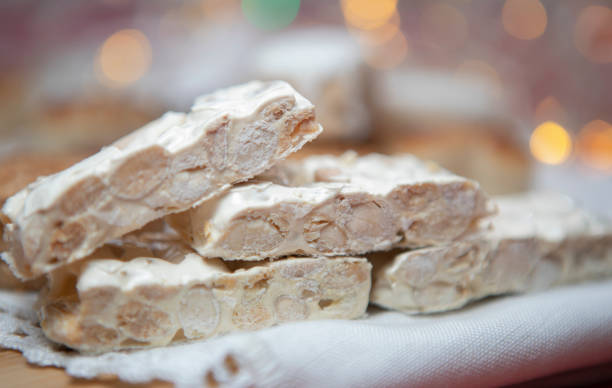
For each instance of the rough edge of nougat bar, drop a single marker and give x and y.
(17, 169)
(106, 305)
(174, 163)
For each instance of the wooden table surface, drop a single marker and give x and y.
(16, 372)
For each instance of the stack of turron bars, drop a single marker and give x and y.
(195, 225)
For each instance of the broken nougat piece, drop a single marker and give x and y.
(537, 241)
(324, 205)
(170, 165)
(163, 292)
(16, 171)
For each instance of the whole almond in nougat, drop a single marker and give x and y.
(170, 165)
(324, 205)
(537, 241)
(161, 292)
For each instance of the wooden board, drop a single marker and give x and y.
(16, 372)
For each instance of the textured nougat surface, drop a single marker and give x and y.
(169, 165)
(538, 240)
(324, 205)
(161, 292)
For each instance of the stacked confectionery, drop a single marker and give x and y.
(461, 245)
(114, 284)
(253, 240)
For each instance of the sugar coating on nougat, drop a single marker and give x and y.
(161, 293)
(169, 165)
(325, 205)
(538, 240)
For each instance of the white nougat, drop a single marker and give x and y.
(131, 294)
(538, 240)
(168, 166)
(325, 205)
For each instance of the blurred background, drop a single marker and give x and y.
(515, 93)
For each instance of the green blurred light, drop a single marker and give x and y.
(270, 14)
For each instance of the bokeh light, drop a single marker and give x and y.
(368, 14)
(389, 55)
(444, 25)
(594, 145)
(550, 143)
(379, 35)
(270, 14)
(524, 19)
(123, 58)
(219, 8)
(593, 34)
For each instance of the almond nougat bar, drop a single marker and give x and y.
(17, 170)
(538, 240)
(170, 165)
(324, 205)
(161, 292)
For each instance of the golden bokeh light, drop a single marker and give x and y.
(549, 109)
(474, 67)
(368, 14)
(219, 8)
(379, 35)
(444, 25)
(524, 19)
(593, 34)
(388, 55)
(123, 58)
(550, 143)
(594, 145)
